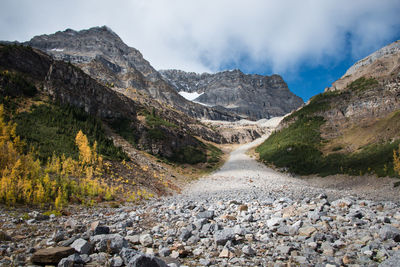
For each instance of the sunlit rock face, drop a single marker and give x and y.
(248, 95)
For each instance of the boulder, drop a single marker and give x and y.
(51, 255)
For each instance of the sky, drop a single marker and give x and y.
(310, 43)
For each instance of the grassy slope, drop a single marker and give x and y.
(299, 147)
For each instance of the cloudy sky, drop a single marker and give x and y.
(310, 42)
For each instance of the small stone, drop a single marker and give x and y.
(71, 223)
(249, 237)
(94, 225)
(274, 221)
(116, 262)
(225, 253)
(51, 255)
(164, 252)
(127, 254)
(193, 240)
(146, 260)
(65, 263)
(82, 246)
(283, 230)
(146, 240)
(284, 250)
(198, 251)
(68, 242)
(222, 236)
(389, 232)
(58, 236)
(248, 250)
(368, 253)
(184, 234)
(208, 214)
(243, 208)
(346, 260)
(134, 239)
(205, 262)
(264, 238)
(150, 251)
(174, 254)
(313, 245)
(101, 230)
(248, 218)
(228, 217)
(116, 244)
(307, 231)
(314, 216)
(392, 261)
(4, 236)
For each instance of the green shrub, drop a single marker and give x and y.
(295, 147)
(190, 155)
(13, 84)
(318, 103)
(124, 127)
(298, 149)
(155, 134)
(214, 154)
(362, 84)
(152, 120)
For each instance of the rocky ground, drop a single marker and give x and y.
(245, 214)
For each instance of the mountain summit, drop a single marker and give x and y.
(228, 95)
(248, 95)
(377, 65)
(104, 56)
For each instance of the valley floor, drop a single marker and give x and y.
(244, 214)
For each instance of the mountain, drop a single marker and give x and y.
(248, 95)
(168, 134)
(353, 127)
(101, 53)
(377, 65)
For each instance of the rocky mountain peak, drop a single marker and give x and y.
(248, 95)
(386, 51)
(101, 53)
(377, 65)
(83, 46)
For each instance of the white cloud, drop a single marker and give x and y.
(208, 34)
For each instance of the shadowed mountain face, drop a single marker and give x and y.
(250, 96)
(104, 56)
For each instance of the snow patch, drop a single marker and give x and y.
(57, 49)
(190, 96)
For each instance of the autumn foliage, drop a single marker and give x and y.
(396, 160)
(23, 179)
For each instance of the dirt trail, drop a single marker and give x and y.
(242, 173)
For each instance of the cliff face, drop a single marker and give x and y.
(100, 53)
(249, 96)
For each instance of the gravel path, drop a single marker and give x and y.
(243, 175)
